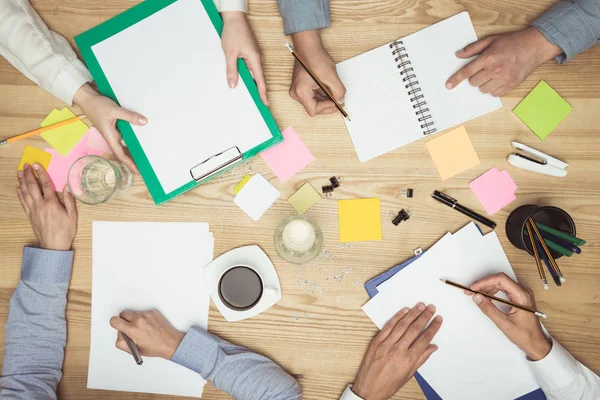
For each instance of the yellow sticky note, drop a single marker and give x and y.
(359, 219)
(64, 138)
(242, 183)
(304, 198)
(32, 155)
(452, 153)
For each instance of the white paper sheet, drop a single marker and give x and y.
(256, 197)
(475, 360)
(141, 266)
(170, 68)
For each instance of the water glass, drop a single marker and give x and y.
(95, 180)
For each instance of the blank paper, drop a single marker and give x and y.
(141, 266)
(256, 197)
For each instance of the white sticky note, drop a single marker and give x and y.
(256, 197)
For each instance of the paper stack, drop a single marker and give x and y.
(475, 360)
(140, 266)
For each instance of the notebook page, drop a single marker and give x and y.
(432, 55)
(141, 266)
(474, 360)
(170, 68)
(376, 101)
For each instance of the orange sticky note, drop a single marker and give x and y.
(452, 153)
(32, 155)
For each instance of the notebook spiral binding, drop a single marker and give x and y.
(401, 58)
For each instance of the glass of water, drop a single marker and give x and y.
(94, 180)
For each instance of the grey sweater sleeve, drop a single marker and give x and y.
(304, 15)
(236, 370)
(572, 25)
(36, 331)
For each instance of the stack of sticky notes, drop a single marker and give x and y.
(359, 220)
(288, 157)
(256, 196)
(452, 153)
(495, 190)
(542, 110)
(304, 198)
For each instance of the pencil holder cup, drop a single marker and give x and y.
(554, 217)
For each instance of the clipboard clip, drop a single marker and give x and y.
(535, 161)
(215, 164)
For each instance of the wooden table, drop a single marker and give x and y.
(320, 337)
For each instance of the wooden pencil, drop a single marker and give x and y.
(538, 261)
(498, 299)
(546, 250)
(41, 130)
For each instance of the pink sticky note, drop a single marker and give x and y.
(289, 156)
(494, 189)
(96, 141)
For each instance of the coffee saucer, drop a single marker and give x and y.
(255, 258)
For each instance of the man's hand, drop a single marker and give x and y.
(503, 61)
(150, 331)
(54, 225)
(238, 41)
(397, 351)
(104, 113)
(520, 327)
(304, 89)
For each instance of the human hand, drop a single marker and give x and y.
(54, 225)
(304, 89)
(503, 61)
(104, 113)
(149, 330)
(396, 353)
(238, 41)
(520, 327)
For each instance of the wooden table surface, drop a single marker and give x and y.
(320, 337)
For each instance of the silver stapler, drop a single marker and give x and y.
(536, 161)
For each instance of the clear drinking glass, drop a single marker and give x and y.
(298, 239)
(95, 180)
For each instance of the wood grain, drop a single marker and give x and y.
(324, 346)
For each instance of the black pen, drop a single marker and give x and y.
(451, 202)
(134, 349)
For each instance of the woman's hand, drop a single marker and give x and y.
(238, 41)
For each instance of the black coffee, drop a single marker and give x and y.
(240, 288)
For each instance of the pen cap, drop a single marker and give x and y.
(554, 217)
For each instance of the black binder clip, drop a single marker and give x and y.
(403, 215)
(405, 192)
(328, 190)
(335, 181)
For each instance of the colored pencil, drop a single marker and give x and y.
(548, 254)
(538, 261)
(41, 130)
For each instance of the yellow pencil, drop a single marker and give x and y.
(41, 130)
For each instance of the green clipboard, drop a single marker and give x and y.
(87, 39)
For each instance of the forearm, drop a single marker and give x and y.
(236, 370)
(572, 25)
(35, 334)
(563, 377)
(304, 15)
(42, 55)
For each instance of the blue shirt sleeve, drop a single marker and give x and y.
(36, 330)
(236, 370)
(304, 15)
(572, 25)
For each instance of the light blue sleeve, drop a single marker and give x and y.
(36, 331)
(236, 370)
(304, 15)
(572, 25)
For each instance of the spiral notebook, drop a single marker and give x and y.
(396, 93)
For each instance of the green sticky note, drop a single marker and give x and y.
(542, 110)
(64, 138)
(304, 198)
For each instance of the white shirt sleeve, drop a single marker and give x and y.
(562, 377)
(231, 5)
(349, 394)
(40, 54)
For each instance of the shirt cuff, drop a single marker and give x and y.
(349, 394)
(304, 15)
(195, 349)
(555, 371)
(46, 266)
(232, 5)
(567, 26)
(69, 80)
